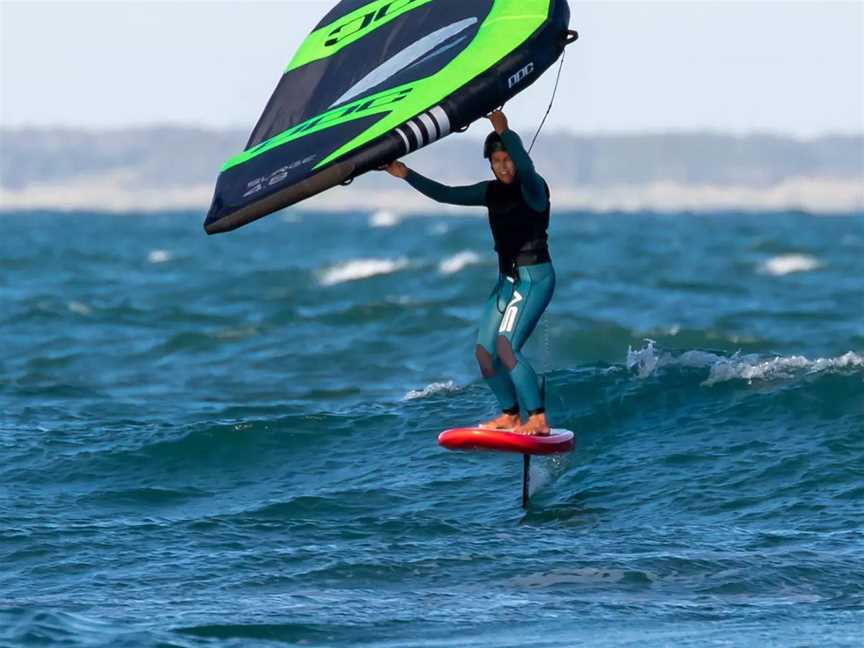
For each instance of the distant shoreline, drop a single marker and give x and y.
(175, 168)
(815, 196)
(292, 214)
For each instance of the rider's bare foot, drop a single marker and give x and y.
(535, 426)
(503, 422)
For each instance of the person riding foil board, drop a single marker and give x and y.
(518, 204)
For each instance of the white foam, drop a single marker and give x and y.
(789, 263)
(159, 256)
(458, 261)
(747, 367)
(431, 389)
(643, 360)
(849, 360)
(360, 269)
(384, 218)
(539, 475)
(750, 368)
(80, 308)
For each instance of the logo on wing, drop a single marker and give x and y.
(368, 21)
(521, 74)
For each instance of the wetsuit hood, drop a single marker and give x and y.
(493, 144)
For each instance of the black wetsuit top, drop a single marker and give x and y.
(519, 231)
(518, 212)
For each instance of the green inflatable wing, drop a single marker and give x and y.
(376, 80)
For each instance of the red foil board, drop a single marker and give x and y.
(504, 441)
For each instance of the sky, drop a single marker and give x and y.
(794, 68)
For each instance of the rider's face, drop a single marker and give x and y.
(502, 166)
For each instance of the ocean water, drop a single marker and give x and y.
(230, 441)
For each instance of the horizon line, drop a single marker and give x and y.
(629, 132)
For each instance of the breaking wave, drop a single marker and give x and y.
(750, 367)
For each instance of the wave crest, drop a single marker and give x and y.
(431, 389)
(360, 269)
(458, 262)
(789, 263)
(647, 360)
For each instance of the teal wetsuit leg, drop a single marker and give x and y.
(496, 376)
(509, 317)
(531, 295)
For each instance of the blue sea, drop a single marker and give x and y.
(231, 441)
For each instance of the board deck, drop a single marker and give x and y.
(473, 438)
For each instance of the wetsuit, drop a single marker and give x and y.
(518, 218)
